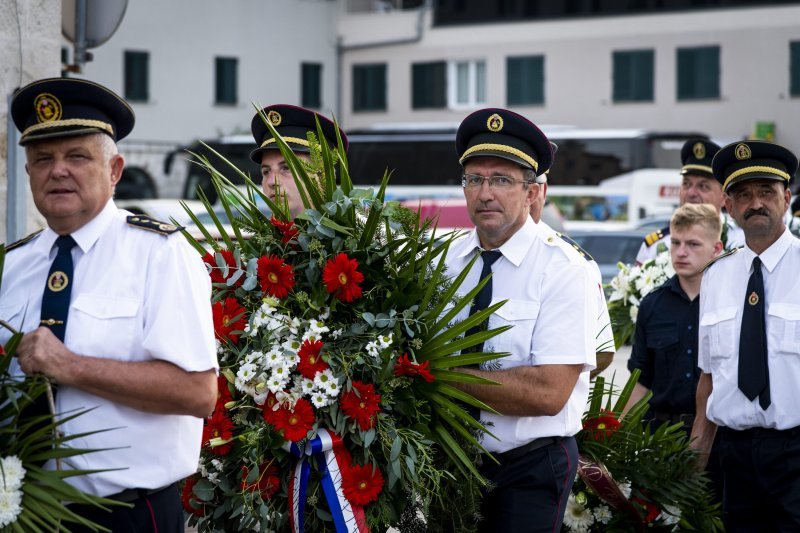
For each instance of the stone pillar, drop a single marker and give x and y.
(30, 48)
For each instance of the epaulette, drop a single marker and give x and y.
(23, 241)
(652, 238)
(726, 254)
(149, 224)
(569, 240)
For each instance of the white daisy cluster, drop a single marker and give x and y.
(12, 473)
(377, 346)
(273, 371)
(211, 470)
(632, 284)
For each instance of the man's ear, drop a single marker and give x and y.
(117, 163)
(718, 247)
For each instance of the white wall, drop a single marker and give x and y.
(578, 78)
(270, 38)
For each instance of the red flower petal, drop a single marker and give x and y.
(362, 484)
(229, 317)
(296, 422)
(342, 279)
(361, 404)
(275, 277)
(310, 360)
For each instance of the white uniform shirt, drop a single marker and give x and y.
(604, 341)
(734, 238)
(723, 293)
(552, 305)
(136, 296)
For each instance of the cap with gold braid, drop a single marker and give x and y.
(502, 133)
(293, 124)
(749, 160)
(65, 107)
(696, 157)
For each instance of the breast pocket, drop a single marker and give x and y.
(718, 329)
(665, 347)
(783, 327)
(101, 325)
(12, 311)
(521, 315)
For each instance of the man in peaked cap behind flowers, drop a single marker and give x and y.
(115, 309)
(749, 349)
(552, 306)
(293, 124)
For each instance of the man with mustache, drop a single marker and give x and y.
(749, 345)
(552, 305)
(293, 124)
(698, 186)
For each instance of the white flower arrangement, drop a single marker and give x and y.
(629, 286)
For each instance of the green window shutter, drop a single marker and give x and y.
(633, 79)
(226, 80)
(137, 74)
(429, 85)
(698, 73)
(525, 80)
(794, 68)
(369, 87)
(311, 85)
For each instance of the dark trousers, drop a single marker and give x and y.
(761, 469)
(530, 492)
(160, 512)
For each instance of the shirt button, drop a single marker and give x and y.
(688, 375)
(690, 326)
(689, 350)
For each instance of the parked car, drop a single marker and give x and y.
(611, 247)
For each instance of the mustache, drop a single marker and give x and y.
(750, 212)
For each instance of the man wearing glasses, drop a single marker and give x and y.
(551, 304)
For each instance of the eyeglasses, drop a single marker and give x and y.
(475, 181)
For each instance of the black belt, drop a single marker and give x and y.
(516, 453)
(751, 433)
(131, 495)
(675, 418)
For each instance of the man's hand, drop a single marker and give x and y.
(41, 352)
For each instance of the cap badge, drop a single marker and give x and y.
(753, 298)
(494, 123)
(699, 150)
(275, 118)
(47, 107)
(743, 151)
(57, 281)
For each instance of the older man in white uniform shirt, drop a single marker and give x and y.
(133, 338)
(749, 345)
(551, 305)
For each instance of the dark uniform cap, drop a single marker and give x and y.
(293, 124)
(66, 107)
(748, 160)
(505, 134)
(696, 156)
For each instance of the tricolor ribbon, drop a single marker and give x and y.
(346, 517)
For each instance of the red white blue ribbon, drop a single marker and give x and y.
(346, 517)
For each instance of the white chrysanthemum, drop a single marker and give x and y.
(274, 358)
(244, 378)
(602, 514)
(335, 334)
(333, 389)
(277, 383)
(305, 385)
(320, 399)
(670, 515)
(373, 349)
(283, 371)
(323, 379)
(294, 325)
(625, 488)
(12, 473)
(318, 327)
(577, 517)
(291, 344)
(384, 341)
(10, 506)
(255, 357)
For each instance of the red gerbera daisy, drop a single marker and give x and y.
(602, 426)
(229, 319)
(342, 279)
(406, 367)
(275, 276)
(216, 272)
(295, 423)
(362, 484)
(2, 350)
(223, 393)
(267, 483)
(218, 426)
(268, 409)
(310, 360)
(361, 403)
(287, 229)
(190, 503)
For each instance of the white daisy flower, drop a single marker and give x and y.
(577, 517)
(602, 514)
(320, 399)
(323, 379)
(274, 358)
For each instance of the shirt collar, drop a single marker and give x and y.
(84, 237)
(514, 249)
(773, 254)
(674, 284)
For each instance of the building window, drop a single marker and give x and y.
(226, 80)
(698, 73)
(369, 87)
(467, 87)
(311, 83)
(794, 68)
(633, 76)
(525, 80)
(137, 74)
(429, 85)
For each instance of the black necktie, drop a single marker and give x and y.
(484, 296)
(57, 290)
(753, 367)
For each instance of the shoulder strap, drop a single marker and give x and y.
(726, 254)
(569, 240)
(149, 224)
(23, 241)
